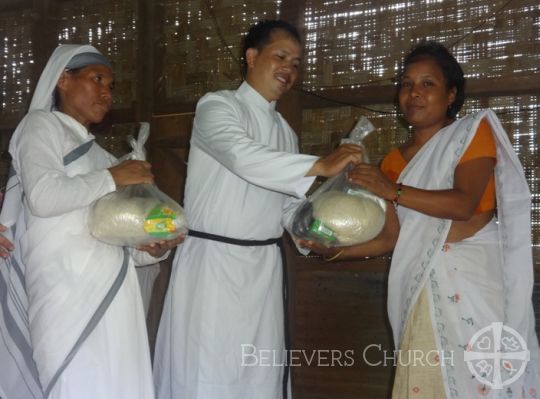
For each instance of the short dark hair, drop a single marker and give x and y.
(453, 74)
(260, 35)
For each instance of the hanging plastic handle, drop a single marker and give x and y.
(138, 152)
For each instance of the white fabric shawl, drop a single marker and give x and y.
(418, 250)
(43, 99)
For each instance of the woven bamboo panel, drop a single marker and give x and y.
(115, 138)
(359, 41)
(193, 34)
(169, 147)
(110, 26)
(337, 317)
(16, 63)
(337, 314)
(323, 128)
(16, 69)
(519, 116)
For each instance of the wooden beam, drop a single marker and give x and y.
(43, 35)
(536, 262)
(173, 108)
(291, 104)
(290, 107)
(506, 86)
(292, 11)
(146, 64)
(9, 123)
(385, 94)
(366, 95)
(115, 116)
(349, 96)
(15, 5)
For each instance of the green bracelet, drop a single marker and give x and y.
(398, 193)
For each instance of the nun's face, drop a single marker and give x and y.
(85, 94)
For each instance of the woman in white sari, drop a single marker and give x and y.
(460, 232)
(71, 320)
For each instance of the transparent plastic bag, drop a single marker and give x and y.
(359, 132)
(339, 213)
(138, 151)
(136, 214)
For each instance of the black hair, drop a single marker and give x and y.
(453, 74)
(260, 35)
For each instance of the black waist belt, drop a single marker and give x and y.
(234, 241)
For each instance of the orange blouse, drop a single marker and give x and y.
(483, 145)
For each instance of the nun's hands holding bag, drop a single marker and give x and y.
(6, 246)
(158, 249)
(131, 172)
(137, 214)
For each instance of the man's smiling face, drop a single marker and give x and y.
(273, 70)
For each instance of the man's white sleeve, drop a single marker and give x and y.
(219, 132)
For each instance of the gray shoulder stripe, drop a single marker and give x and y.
(16, 334)
(17, 305)
(16, 288)
(15, 265)
(77, 152)
(94, 320)
(30, 390)
(68, 158)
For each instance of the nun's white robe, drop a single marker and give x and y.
(68, 272)
(80, 316)
(225, 301)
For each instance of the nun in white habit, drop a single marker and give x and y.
(71, 320)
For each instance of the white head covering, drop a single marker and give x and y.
(43, 99)
(18, 373)
(43, 95)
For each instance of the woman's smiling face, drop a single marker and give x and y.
(424, 96)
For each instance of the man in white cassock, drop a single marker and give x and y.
(222, 331)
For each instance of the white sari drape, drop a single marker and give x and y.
(418, 255)
(56, 287)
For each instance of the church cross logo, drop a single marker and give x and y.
(497, 355)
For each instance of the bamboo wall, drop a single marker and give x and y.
(167, 53)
